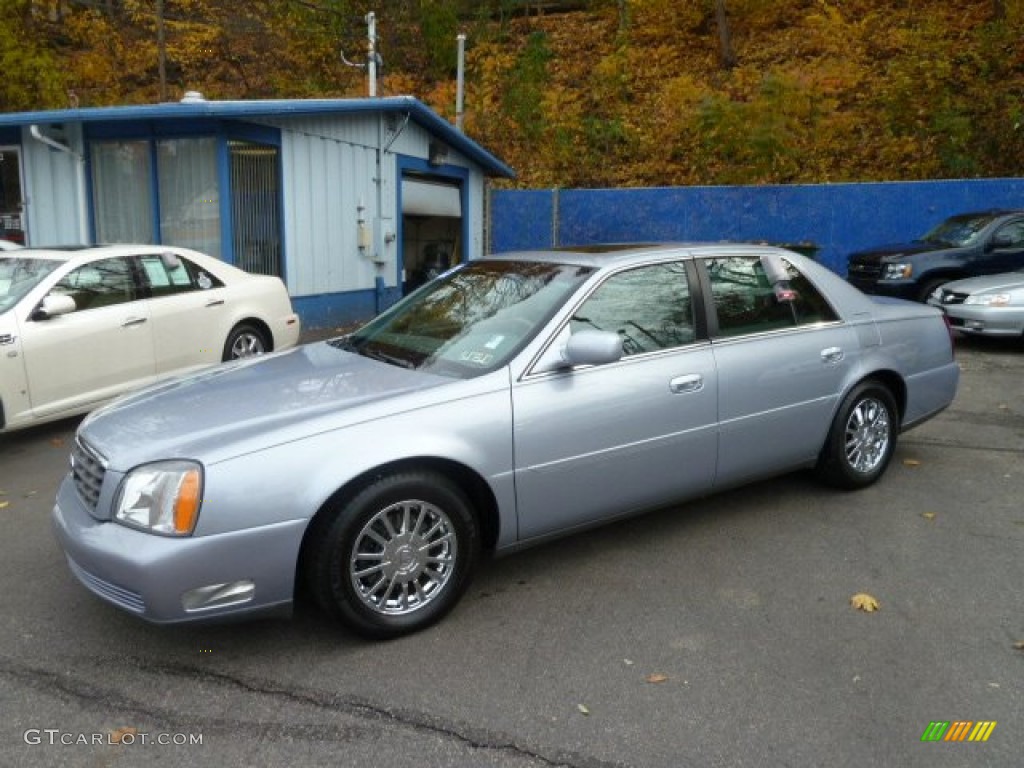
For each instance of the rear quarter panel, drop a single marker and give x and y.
(915, 343)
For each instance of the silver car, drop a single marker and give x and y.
(985, 306)
(508, 401)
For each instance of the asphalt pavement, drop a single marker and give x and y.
(720, 633)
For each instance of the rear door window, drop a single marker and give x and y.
(747, 301)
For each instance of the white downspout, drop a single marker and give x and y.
(83, 213)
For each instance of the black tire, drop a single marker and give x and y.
(245, 340)
(862, 439)
(396, 557)
(928, 286)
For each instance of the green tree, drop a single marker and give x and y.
(31, 72)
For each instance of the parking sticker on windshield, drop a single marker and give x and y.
(479, 358)
(494, 342)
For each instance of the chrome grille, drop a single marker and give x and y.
(857, 269)
(88, 470)
(126, 598)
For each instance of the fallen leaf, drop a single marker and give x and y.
(862, 601)
(1004, 407)
(911, 463)
(1019, 646)
(57, 442)
(583, 709)
(4, 504)
(657, 678)
(628, 662)
(928, 515)
(117, 736)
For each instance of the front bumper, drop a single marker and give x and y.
(980, 320)
(899, 289)
(172, 580)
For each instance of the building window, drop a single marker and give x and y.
(188, 189)
(255, 207)
(121, 178)
(189, 194)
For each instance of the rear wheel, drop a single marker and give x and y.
(245, 340)
(396, 557)
(862, 439)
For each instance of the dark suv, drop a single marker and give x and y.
(964, 245)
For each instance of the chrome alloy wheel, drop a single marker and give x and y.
(247, 344)
(868, 433)
(403, 557)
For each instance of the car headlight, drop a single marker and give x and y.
(988, 299)
(897, 271)
(163, 497)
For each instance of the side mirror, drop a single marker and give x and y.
(53, 305)
(592, 347)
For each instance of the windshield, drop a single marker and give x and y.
(958, 230)
(470, 320)
(18, 276)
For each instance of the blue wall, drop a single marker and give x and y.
(838, 218)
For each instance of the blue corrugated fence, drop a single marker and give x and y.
(837, 218)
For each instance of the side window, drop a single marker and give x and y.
(99, 284)
(1014, 231)
(746, 301)
(649, 307)
(170, 274)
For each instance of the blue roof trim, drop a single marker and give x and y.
(193, 110)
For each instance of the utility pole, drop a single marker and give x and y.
(161, 45)
(460, 81)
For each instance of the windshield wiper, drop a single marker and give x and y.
(376, 354)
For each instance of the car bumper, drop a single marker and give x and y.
(169, 580)
(900, 289)
(984, 321)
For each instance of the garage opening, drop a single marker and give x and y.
(431, 229)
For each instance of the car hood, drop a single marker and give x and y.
(895, 250)
(233, 408)
(1006, 281)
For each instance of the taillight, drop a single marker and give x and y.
(949, 330)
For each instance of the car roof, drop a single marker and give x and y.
(993, 213)
(92, 252)
(606, 254)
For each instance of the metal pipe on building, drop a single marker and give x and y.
(371, 60)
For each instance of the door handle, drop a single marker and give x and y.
(133, 321)
(215, 303)
(692, 382)
(832, 355)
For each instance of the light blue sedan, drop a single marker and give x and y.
(510, 400)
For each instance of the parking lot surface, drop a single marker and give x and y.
(719, 633)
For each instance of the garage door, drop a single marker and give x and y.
(430, 198)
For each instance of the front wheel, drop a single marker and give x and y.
(862, 439)
(397, 556)
(929, 287)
